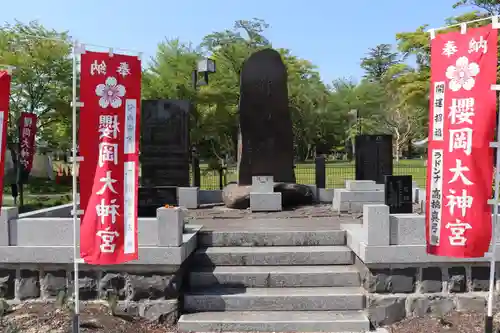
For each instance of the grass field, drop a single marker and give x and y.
(336, 173)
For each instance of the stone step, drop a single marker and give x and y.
(209, 238)
(276, 276)
(275, 299)
(274, 255)
(275, 321)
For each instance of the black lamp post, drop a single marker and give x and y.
(204, 68)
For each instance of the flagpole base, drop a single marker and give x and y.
(488, 324)
(76, 323)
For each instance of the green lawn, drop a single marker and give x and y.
(336, 173)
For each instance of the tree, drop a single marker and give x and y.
(492, 7)
(41, 82)
(378, 61)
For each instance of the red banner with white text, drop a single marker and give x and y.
(27, 133)
(4, 115)
(110, 90)
(462, 125)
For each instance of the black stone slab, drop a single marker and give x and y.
(398, 194)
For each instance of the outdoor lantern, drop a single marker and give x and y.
(206, 65)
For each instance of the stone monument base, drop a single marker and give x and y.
(292, 195)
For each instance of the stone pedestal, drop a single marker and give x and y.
(187, 197)
(170, 226)
(262, 195)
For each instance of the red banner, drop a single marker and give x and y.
(462, 125)
(4, 115)
(110, 90)
(27, 132)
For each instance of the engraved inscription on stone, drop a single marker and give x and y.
(265, 120)
(398, 194)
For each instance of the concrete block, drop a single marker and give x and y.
(360, 185)
(359, 196)
(276, 276)
(263, 184)
(188, 197)
(407, 229)
(170, 226)
(274, 256)
(357, 207)
(325, 194)
(265, 202)
(376, 227)
(275, 299)
(7, 214)
(275, 321)
(209, 197)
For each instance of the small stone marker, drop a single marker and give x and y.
(398, 194)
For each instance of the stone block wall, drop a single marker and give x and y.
(142, 291)
(399, 291)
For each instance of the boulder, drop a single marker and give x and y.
(236, 196)
(292, 195)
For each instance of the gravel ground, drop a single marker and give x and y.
(46, 318)
(454, 322)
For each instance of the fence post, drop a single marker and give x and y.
(195, 168)
(320, 171)
(221, 177)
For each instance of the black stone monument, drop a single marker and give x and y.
(398, 194)
(265, 120)
(164, 153)
(373, 157)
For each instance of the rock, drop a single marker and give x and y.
(292, 195)
(235, 196)
(265, 120)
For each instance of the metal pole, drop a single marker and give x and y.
(76, 286)
(488, 324)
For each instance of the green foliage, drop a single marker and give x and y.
(391, 98)
(41, 82)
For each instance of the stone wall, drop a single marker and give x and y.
(402, 280)
(143, 291)
(36, 262)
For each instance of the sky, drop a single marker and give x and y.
(332, 34)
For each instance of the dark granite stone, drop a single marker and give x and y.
(265, 119)
(398, 194)
(432, 280)
(480, 278)
(28, 285)
(457, 279)
(165, 151)
(373, 157)
(402, 280)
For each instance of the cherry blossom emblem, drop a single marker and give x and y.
(111, 93)
(462, 74)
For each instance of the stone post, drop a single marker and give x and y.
(170, 226)
(7, 214)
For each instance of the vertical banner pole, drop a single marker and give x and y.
(488, 324)
(76, 287)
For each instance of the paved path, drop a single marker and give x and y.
(308, 218)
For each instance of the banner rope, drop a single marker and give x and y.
(494, 21)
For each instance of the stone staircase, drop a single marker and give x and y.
(274, 281)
